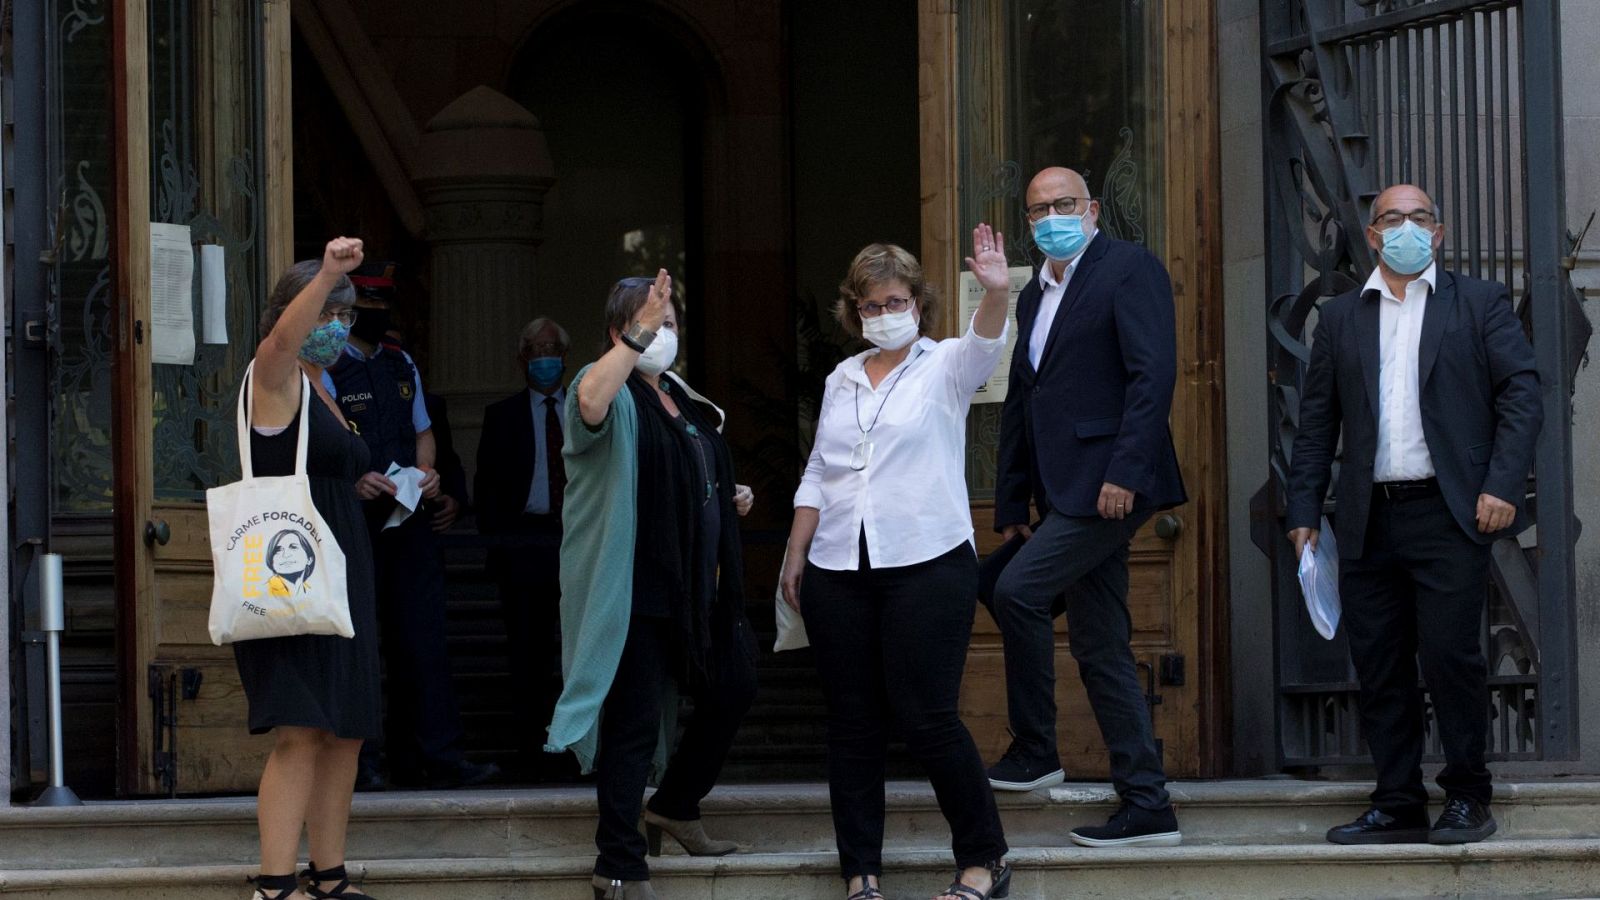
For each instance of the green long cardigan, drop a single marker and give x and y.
(599, 520)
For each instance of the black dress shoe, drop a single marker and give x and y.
(1463, 821)
(368, 780)
(1378, 827)
(462, 775)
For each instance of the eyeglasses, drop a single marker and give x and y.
(347, 316)
(1061, 206)
(893, 304)
(1394, 218)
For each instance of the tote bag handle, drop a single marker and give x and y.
(247, 409)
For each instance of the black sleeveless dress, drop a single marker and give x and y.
(321, 681)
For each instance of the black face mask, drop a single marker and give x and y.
(371, 324)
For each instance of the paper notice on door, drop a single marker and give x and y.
(213, 294)
(994, 390)
(171, 295)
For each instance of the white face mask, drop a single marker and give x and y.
(661, 354)
(890, 331)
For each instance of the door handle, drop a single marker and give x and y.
(1169, 527)
(157, 531)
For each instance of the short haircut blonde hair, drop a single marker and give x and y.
(875, 265)
(532, 329)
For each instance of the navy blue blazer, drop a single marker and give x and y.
(1480, 407)
(1097, 408)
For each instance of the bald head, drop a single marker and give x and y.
(1404, 199)
(1056, 182)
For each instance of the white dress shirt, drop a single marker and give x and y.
(1402, 453)
(539, 492)
(911, 499)
(1050, 302)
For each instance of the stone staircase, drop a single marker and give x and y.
(1258, 838)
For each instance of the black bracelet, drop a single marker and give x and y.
(630, 342)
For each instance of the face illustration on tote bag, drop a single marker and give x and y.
(278, 570)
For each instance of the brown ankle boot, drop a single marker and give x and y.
(617, 889)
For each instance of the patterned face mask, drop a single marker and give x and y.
(324, 344)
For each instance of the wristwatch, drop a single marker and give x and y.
(638, 337)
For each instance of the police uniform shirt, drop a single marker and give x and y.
(419, 407)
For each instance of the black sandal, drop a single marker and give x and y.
(1000, 887)
(340, 890)
(870, 892)
(276, 887)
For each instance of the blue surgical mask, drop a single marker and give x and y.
(1407, 248)
(324, 344)
(1060, 237)
(545, 371)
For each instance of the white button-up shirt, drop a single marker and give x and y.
(539, 491)
(911, 499)
(1402, 453)
(1050, 303)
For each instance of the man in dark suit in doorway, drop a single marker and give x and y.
(1084, 436)
(519, 486)
(1431, 380)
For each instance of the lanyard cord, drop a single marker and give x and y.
(868, 429)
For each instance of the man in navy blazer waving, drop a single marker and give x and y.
(1431, 380)
(1084, 437)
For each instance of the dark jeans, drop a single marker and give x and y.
(891, 644)
(1419, 585)
(630, 725)
(422, 729)
(1080, 566)
(528, 573)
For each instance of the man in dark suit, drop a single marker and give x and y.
(1431, 379)
(519, 485)
(1084, 436)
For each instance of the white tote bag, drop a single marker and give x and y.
(791, 627)
(279, 570)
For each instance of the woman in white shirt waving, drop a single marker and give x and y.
(881, 561)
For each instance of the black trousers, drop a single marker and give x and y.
(527, 570)
(1419, 589)
(1079, 566)
(891, 646)
(630, 723)
(422, 728)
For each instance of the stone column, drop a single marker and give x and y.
(482, 172)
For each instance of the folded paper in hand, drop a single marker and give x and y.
(1319, 582)
(407, 493)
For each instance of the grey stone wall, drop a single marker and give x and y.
(1244, 296)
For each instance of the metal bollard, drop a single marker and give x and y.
(53, 621)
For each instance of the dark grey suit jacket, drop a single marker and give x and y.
(1479, 394)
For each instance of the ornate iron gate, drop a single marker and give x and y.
(1463, 98)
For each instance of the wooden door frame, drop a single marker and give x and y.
(1193, 242)
(132, 413)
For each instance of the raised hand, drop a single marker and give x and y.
(342, 256)
(657, 304)
(988, 259)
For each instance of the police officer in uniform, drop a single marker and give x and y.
(380, 393)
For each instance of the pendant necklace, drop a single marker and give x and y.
(861, 453)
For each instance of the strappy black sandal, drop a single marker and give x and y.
(1000, 876)
(275, 887)
(870, 892)
(340, 890)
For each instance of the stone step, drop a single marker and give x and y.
(1496, 868)
(553, 823)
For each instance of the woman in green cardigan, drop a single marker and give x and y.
(652, 590)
